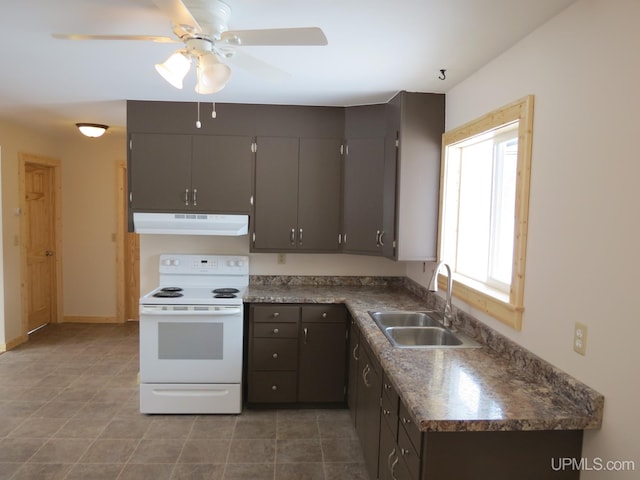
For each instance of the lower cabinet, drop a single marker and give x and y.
(297, 354)
(368, 408)
(394, 448)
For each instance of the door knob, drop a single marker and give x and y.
(48, 253)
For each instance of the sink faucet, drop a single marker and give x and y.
(447, 312)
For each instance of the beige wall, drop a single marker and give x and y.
(89, 224)
(584, 227)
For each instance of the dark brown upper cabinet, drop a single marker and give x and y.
(189, 173)
(297, 201)
(415, 124)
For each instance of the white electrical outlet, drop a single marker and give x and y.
(580, 338)
(282, 258)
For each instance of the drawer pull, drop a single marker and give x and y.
(274, 387)
(275, 355)
(276, 331)
(324, 315)
(276, 314)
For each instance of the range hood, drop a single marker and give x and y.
(190, 224)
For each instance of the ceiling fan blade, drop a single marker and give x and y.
(178, 13)
(258, 67)
(149, 38)
(276, 36)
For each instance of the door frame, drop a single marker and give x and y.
(56, 167)
(126, 247)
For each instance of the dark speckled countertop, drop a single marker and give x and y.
(500, 386)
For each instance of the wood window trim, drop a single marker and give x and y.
(509, 312)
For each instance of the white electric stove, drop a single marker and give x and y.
(191, 335)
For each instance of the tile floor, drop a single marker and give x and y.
(69, 410)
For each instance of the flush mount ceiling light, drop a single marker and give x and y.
(92, 130)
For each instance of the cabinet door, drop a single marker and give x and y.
(352, 395)
(221, 174)
(319, 194)
(321, 368)
(160, 172)
(368, 409)
(276, 194)
(363, 186)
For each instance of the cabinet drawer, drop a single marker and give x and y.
(414, 435)
(275, 330)
(274, 354)
(324, 313)
(408, 453)
(272, 387)
(390, 403)
(276, 313)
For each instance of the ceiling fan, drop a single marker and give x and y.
(201, 25)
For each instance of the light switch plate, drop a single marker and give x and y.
(580, 338)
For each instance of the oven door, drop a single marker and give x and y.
(190, 344)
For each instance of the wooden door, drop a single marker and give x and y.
(319, 194)
(276, 194)
(40, 245)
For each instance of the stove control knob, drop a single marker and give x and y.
(175, 262)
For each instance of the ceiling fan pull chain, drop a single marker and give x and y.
(213, 112)
(198, 123)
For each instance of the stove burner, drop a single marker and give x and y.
(224, 295)
(171, 289)
(167, 294)
(226, 290)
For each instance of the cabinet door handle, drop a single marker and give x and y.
(275, 355)
(292, 237)
(324, 314)
(306, 334)
(276, 314)
(195, 197)
(274, 387)
(276, 331)
(186, 197)
(393, 452)
(393, 468)
(405, 451)
(377, 238)
(354, 354)
(365, 375)
(381, 238)
(300, 236)
(386, 412)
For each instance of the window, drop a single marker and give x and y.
(483, 209)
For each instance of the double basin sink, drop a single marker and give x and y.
(406, 329)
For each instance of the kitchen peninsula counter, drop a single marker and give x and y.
(498, 387)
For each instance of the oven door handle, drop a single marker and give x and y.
(190, 311)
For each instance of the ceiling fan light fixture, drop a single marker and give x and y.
(212, 74)
(175, 68)
(92, 130)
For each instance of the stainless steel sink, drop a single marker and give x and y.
(421, 336)
(405, 319)
(406, 329)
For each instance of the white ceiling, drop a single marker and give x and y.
(375, 49)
